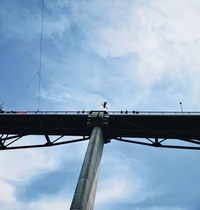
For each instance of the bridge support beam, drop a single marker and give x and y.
(85, 192)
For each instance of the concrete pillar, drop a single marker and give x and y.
(85, 192)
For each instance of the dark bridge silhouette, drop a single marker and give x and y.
(155, 127)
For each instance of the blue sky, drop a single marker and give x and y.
(137, 55)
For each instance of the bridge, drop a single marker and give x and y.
(153, 127)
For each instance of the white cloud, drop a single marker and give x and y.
(24, 164)
(157, 33)
(50, 204)
(56, 28)
(161, 208)
(6, 192)
(124, 180)
(21, 165)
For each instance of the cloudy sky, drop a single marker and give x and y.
(137, 55)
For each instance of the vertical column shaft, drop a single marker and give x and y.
(85, 192)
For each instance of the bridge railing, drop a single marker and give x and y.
(124, 112)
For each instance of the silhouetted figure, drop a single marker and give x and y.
(104, 105)
(1, 107)
(181, 107)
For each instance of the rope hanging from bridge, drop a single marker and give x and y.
(41, 45)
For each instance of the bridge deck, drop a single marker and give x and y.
(169, 125)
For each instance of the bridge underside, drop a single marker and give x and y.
(141, 128)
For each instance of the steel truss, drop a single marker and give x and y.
(156, 142)
(7, 141)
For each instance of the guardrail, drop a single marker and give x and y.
(83, 112)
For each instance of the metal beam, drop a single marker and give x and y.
(85, 192)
